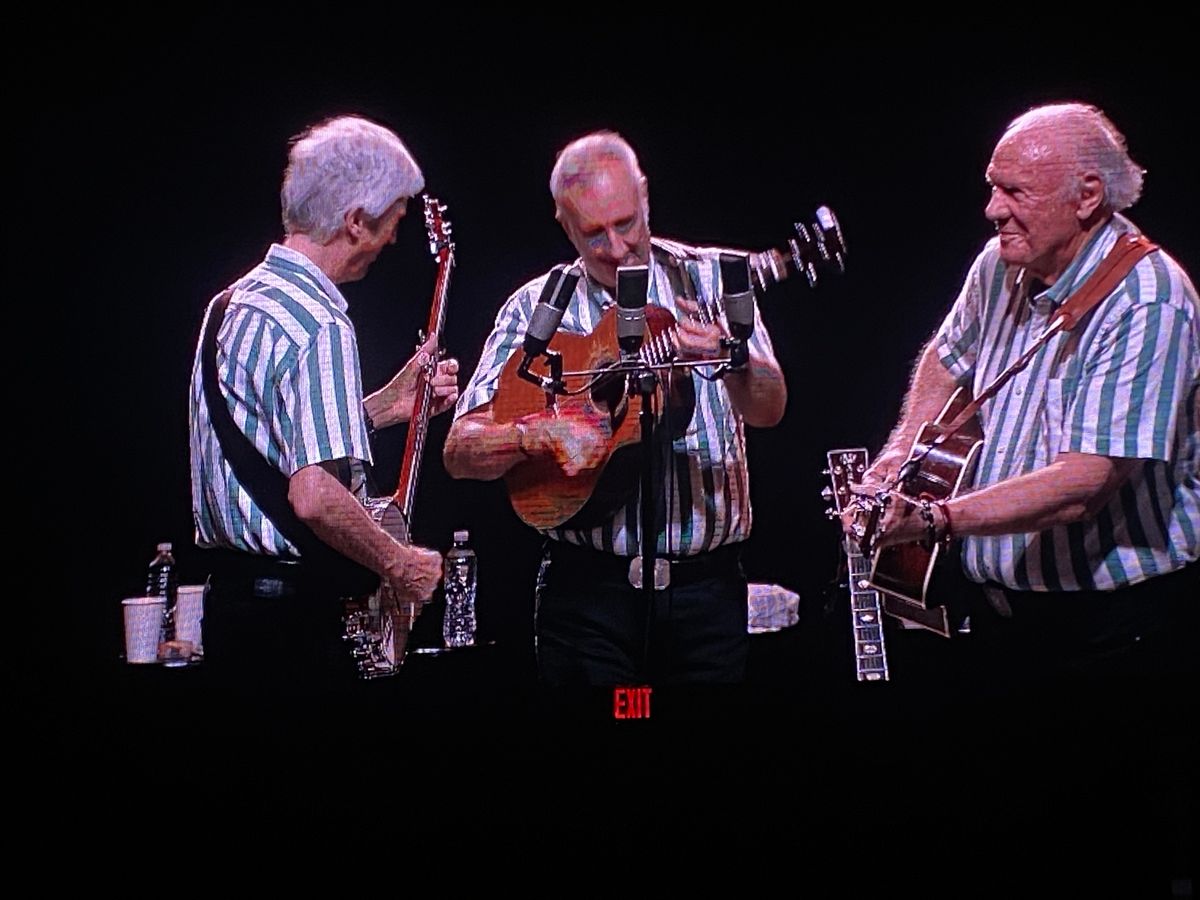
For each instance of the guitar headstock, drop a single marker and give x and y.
(437, 226)
(846, 471)
(816, 247)
(846, 467)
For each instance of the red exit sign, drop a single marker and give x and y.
(631, 702)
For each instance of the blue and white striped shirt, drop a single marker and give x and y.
(287, 365)
(709, 495)
(1124, 383)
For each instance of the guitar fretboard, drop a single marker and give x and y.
(870, 654)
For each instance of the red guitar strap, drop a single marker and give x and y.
(1117, 264)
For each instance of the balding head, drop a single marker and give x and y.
(1075, 140)
(602, 203)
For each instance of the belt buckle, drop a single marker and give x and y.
(269, 588)
(662, 573)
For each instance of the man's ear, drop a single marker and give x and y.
(356, 223)
(1091, 196)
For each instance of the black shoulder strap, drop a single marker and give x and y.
(266, 484)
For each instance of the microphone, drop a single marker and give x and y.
(632, 285)
(738, 299)
(737, 295)
(547, 315)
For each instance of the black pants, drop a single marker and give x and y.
(593, 632)
(275, 660)
(1072, 731)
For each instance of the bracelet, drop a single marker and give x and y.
(925, 508)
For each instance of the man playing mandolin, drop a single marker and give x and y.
(288, 370)
(591, 629)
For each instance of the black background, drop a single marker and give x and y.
(160, 156)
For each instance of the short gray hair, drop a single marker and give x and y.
(1098, 146)
(342, 164)
(576, 162)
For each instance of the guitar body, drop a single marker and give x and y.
(902, 572)
(540, 493)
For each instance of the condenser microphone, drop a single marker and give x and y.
(633, 282)
(736, 295)
(548, 313)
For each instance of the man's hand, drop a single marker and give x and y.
(695, 340)
(393, 402)
(901, 524)
(412, 577)
(574, 441)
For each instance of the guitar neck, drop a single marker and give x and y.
(870, 654)
(418, 423)
(815, 247)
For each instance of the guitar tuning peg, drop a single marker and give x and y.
(833, 243)
(830, 512)
(826, 472)
(826, 493)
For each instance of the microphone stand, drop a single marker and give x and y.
(646, 381)
(643, 382)
(552, 386)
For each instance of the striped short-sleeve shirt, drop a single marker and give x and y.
(1125, 382)
(288, 368)
(706, 501)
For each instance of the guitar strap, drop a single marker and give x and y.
(266, 485)
(1117, 264)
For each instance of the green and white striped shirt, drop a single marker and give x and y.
(709, 495)
(287, 365)
(1124, 383)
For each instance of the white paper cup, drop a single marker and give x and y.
(143, 623)
(189, 613)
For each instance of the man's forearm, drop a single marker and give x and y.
(931, 387)
(478, 447)
(339, 520)
(758, 392)
(1074, 487)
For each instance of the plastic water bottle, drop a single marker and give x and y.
(162, 580)
(458, 624)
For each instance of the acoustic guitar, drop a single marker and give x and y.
(540, 493)
(936, 468)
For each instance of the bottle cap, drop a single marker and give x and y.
(461, 537)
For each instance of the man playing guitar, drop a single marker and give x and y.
(591, 628)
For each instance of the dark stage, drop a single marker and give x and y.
(163, 166)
